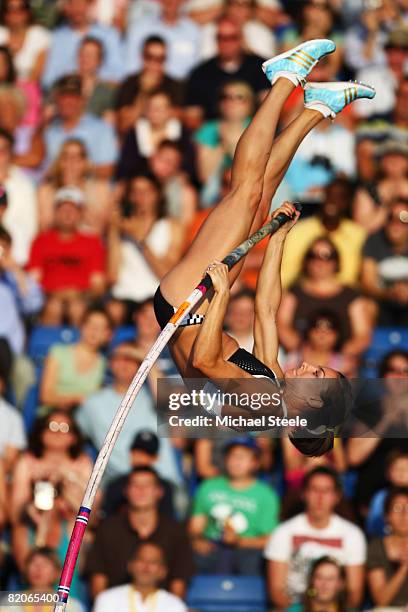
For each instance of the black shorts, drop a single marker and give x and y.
(164, 311)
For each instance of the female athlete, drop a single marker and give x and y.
(200, 348)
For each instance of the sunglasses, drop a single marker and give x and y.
(321, 255)
(233, 97)
(55, 427)
(152, 57)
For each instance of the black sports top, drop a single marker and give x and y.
(248, 362)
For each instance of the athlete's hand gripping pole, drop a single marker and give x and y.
(127, 402)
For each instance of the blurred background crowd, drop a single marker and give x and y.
(118, 125)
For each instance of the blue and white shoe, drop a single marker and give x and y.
(331, 98)
(298, 62)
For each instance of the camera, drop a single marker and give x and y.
(44, 495)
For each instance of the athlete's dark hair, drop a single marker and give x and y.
(337, 404)
(154, 40)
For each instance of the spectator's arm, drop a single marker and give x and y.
(288, 335)
(97, 283)
(39, 66)
(362, 314)
(208, 160)
(161, 265)
(197, 525)
(370, 280)
(277, 575)
(355, 576)
(359, 449)
(48, 394)
(367, 214)
(178, 587)
(35, 155)
(188, 204)
(203, 459)
(20, 488)
(98, 583)
(382, 588)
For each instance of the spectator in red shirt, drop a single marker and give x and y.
(66, 261)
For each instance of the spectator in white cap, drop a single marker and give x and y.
(66, 261)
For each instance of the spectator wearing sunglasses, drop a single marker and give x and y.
(217, 139)
(181, 34)
(48, 486)
(231, 63)
(332, 219)
(258, 38)
(152, 75)
(385, 267)
(321, 345)
(319, 287)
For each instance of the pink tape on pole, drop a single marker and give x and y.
(73, 552)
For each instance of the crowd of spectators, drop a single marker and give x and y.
(118, 125)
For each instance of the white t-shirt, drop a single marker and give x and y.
(136, 280)
(20, 218)
(12, 428)
(120, 597)
(298, 543)
(37, 39)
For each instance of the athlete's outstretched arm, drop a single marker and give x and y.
(269, 293)
(208, 354)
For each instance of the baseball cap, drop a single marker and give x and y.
(146, 441)
(70, 84)
(3, 196)
(69, 194)
(245, 441)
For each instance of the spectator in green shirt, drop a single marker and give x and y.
(233, 514)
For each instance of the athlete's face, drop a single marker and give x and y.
(307, 370)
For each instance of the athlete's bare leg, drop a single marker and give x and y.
(282, 153)
(231, 221)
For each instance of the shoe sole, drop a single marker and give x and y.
(291, 51)
(340, 85)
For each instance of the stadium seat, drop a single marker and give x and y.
(217, 593)
(43, 337)
(385, 339)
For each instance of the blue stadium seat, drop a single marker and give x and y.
(217, 593)
(385, 339)
(43, 337)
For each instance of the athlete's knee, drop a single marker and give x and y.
(251, 192)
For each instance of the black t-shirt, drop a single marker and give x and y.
(205, 82)
(130, 88)
(116, 541)
(392, 267)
